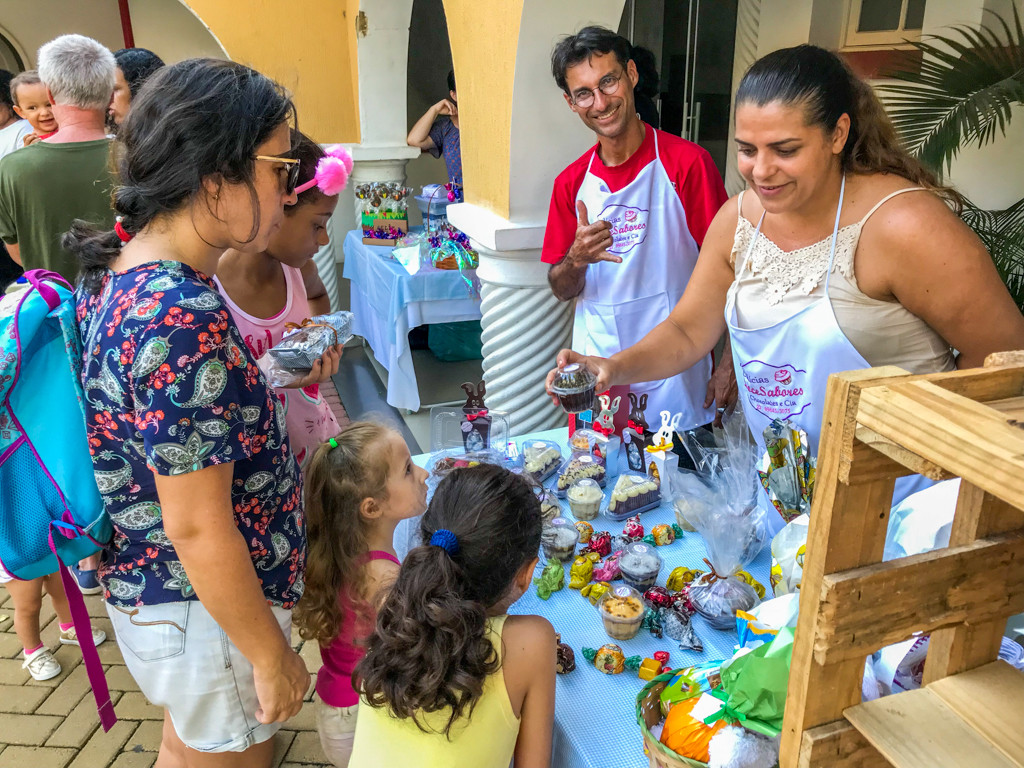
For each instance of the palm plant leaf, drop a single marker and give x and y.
(1002, 232)
(962, 93)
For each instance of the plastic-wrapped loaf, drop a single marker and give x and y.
(304, 344)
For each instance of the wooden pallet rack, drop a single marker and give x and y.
(882, 424)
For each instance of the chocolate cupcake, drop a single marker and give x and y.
(574, 386)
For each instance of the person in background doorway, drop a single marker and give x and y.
(31, 103)
(134, 66)
(645, 93)
(437, 132)
(626, 222)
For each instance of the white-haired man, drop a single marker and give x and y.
(66, 176)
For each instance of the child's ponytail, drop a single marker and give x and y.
(430, 650)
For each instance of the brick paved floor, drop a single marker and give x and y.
(53, 724)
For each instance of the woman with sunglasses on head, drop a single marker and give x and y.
(842, 254)
(188, 441)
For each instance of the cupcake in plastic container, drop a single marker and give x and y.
(640, 565)
(558, 539)
(622, 611)
(585, 497)
(574, 386)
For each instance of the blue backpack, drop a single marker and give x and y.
(51, 511)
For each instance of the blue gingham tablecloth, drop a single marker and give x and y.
(387, 302)
(595, 713)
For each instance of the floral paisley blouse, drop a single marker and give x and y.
(170, 389)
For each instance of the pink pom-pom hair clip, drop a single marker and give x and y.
(332, 172)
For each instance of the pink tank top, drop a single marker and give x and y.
(334, 680)
(307, 416)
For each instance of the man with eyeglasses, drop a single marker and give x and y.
(626, 223)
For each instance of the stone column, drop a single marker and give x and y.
(524, 325)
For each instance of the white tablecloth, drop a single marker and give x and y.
(387, 302)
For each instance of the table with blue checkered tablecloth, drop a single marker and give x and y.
(595, 713)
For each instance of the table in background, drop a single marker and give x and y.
(387, 302)
(595, 713)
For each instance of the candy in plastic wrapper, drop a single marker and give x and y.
(786, 470)
(304, 344)
(652, 622)
(582, 570)
(633, 528)
(680, 577)
(610, 659)
(662, 535)
(551, 579)
(609, 570)
(746, 577)
(678, 625)
(600, 542)
(595, 591)
(620, 541)
(565, 659)
(658, 597)
(586, 531)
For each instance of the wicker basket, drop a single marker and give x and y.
(648, 714)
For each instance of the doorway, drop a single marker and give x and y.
(693, 43)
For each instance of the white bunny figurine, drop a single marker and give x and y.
(605, 422)
(669, 423)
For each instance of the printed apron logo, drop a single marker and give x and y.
(775, 391)
(629, 227)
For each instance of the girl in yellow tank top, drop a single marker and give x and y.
(449, 678)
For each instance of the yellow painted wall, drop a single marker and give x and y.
(309, 46)
(484, 39)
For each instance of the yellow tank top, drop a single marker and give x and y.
(487, 740)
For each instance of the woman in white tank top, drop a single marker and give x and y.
(846, 255)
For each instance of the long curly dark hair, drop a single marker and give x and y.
(430, 650)
(337, 481)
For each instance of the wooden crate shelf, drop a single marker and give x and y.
(882, 424)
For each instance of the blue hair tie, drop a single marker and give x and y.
(446, 540)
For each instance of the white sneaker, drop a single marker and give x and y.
(70, 637)
(41, 664)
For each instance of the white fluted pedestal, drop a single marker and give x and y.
(524, 325)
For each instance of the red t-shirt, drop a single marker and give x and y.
(689, 168)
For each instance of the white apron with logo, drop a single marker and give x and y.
(622, 303)
(782, 370)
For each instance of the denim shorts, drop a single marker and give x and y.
(184, 662)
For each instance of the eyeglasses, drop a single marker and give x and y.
(584, 97)
(293, 170)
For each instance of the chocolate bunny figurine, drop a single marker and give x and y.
(636, 434)
(476, 423)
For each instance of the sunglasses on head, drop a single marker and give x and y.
(293, 170)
